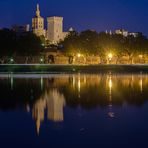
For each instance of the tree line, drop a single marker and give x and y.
(87, 43)
(90, 43)
(23, 44)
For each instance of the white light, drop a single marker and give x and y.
(11, 60)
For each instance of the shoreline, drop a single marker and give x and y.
(60, 69)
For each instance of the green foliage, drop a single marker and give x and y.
(89, 42)
(71, 43)
(29, 44)
(12, 43)
(8, 42)
(92, 43)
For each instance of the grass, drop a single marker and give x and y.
(44, 68)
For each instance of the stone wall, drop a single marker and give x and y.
(61, 59)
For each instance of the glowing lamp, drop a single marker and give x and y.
(79, 55)
(41, 60)
(11, 60)
(43, 44)
(110, 55)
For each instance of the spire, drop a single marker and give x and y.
(38, 11)
(38, 124)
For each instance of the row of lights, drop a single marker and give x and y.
(110, 56)
(12, 60)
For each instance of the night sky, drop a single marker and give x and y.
(98, 15)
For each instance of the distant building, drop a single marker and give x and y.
(135, 34)
(71, 29)
(125, 33)
(110, 32)
(122, 32)
(54, 32)
(55, 29)
(38, 23)
(21, 28)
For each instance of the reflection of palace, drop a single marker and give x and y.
(54, 102)
(55, 105)
(38, 112)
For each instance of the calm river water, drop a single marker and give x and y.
(69, 111)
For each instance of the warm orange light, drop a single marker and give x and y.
(110, 83)
(79, 55)
(110, 55)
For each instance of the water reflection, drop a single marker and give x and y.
(110, 85)
(45, 96)
(54, 102)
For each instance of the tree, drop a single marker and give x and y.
(134, 46)
(88, 42)
(29, 44)
(91, 43)
(71, 44)
(8, 42)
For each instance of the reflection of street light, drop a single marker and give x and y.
(110, 83)
(111, 114)
(11, 81)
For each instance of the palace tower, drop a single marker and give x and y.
(38, 24)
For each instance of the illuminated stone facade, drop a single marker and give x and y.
(55, 29)
(125, 33)
(38, 24)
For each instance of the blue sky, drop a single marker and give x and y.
(80, 14)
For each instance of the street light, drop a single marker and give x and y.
(110, 56)
(43, 44)
(41, 60)
(140, 58)
(78, 55)
(11, 60)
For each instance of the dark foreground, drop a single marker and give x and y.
(73, 68)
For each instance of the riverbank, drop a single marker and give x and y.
(43, 68)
